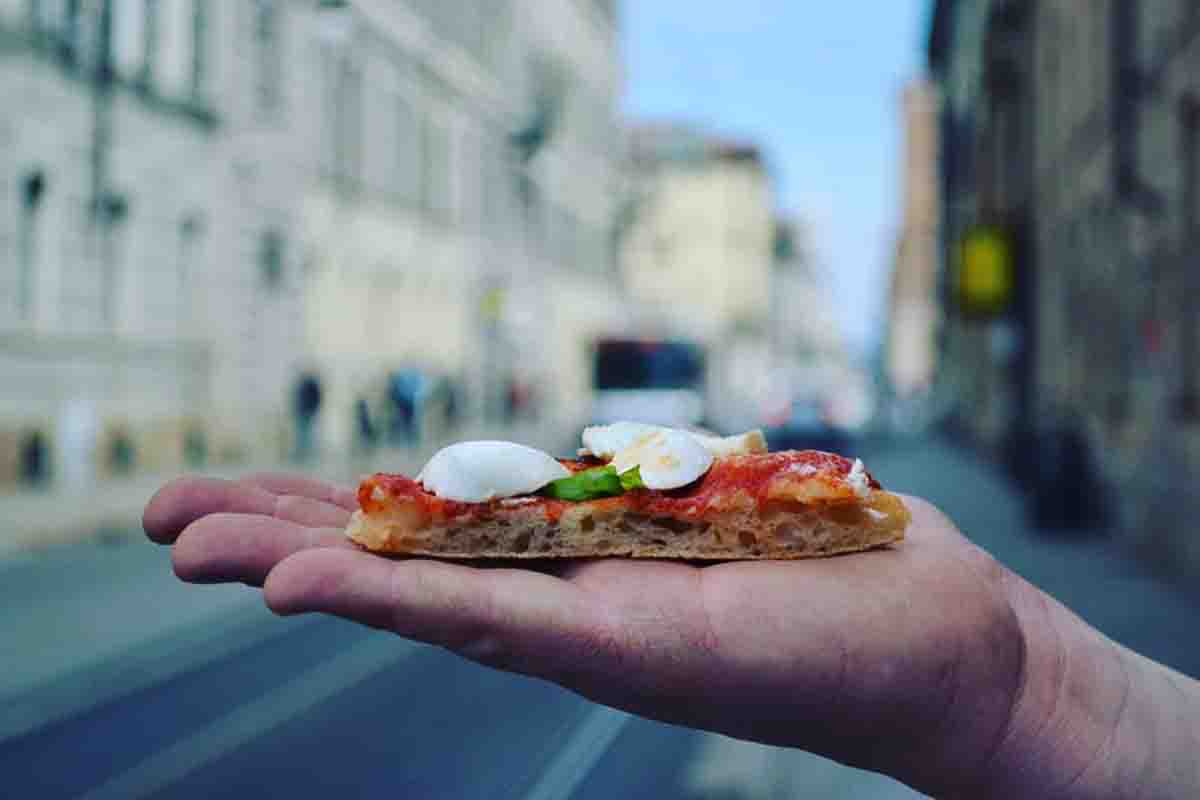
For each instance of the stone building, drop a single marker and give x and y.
(461, 216)
(1071, 127)
(148, 294)
(697, 256)
(202, 202)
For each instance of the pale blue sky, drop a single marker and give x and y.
(817, 84)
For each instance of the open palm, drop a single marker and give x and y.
(843, 656)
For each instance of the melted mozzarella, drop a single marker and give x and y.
(666, 458)
(857, 478)
(605, 441)
(474, 472)
(743, 444)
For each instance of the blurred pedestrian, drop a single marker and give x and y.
(365, 427)
(402, 397)
(35, 461)
(306, 406)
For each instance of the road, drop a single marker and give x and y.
(129, 684)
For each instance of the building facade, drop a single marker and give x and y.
(697, 254)
(461, 216)
(144, 275)
(1072, 126)
(811, 364)
(914, 307)
(203, 202)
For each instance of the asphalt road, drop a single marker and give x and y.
(238, 703)
(121, 682)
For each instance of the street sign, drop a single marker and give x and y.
(986, 271)
(491, 305)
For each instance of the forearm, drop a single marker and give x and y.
(1093, 719)
(1165, 728)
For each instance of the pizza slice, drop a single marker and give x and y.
(635, 491)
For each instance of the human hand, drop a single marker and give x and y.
(927, 661)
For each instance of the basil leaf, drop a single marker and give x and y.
(632, 479)
(586, 485)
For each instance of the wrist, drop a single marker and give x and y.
(1091, 719)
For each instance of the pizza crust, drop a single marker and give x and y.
(783, 528)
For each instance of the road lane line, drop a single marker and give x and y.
(249, 722)
(142, 665)
(571, 765)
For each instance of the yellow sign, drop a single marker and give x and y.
(985, 271)
(491, 306)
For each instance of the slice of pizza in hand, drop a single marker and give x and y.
(636, 491)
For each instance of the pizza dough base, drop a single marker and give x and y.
(780, 530)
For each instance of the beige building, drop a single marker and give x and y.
(435, 239)
(149, 297)
(914, 305)
(700, 251)
(698, 255)
(250, 191)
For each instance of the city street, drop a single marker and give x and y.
(127, 683)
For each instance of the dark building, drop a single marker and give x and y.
(1070, 182)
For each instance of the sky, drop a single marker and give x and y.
(817, 85)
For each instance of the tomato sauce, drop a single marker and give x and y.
(746, 475)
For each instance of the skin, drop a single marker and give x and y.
(928, 661)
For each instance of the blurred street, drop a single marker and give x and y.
(956, 240)
(147, 687)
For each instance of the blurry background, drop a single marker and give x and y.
(956, 238)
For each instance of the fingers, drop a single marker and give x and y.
(306, 511)
(507, 618)
(300, 486)
(244, 547)
(185, 500)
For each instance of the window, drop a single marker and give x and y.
(348, 105)
(33, 192)
(330, 62)
(496, 183)
(270, 258)
(113, 213)
(409, 153)
(191, 230)
(268, 54)
(69, 33)
(149, 42)
(436, 172)
(466, 181)
(199, 65)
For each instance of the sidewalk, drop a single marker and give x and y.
(1097, 576)
(63, 515)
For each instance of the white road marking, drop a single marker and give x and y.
(249, 722)
(139, 666)
(587, 744)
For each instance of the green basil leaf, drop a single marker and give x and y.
(632, 479)
(589, 484)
